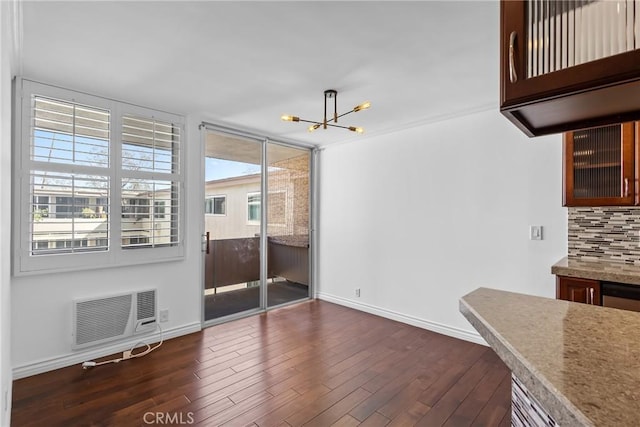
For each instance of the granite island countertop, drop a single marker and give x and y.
(582, 362)
(597, 270)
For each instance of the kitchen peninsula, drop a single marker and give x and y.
(580, 362)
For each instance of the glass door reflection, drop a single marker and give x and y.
(233, 169)
(288, 213)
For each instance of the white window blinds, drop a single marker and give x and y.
(69, 212)
(96, 178)
(150, 183)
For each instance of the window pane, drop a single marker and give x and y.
(149, 213)
(253, 207)
(150, 145)
(219, 205)
(64, 132)
(69, 213)
(216, 205)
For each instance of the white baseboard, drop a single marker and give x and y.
(404, 318)
(90, 354)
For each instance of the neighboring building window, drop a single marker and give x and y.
(158, 209)
(215, 205)
(41, 206)
(253, 207)
(86, 155)
(137, 241)
(134, 209)
(70, 207)
(40, 245)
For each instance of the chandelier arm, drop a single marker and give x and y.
(338, 126)
(321, 124)
(311, 121)
(344, 114)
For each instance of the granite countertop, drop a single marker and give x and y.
(582, 362)
(597, 270)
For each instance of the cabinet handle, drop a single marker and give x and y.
(591, 290)
(626, 187)
(513, 76)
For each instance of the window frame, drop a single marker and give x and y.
(213, 205)
(24, 263)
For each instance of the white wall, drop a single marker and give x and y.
(7, 64)
(418, 218)
(42, 304)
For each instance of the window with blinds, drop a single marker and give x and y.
(149, 213)
(561, 34)
(150, 145)
(69, 212)
(89, 193)
(68, 133)
(150, 187)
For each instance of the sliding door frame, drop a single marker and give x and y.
(264, 141)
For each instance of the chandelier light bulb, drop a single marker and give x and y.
(362, 106)
(287, 118)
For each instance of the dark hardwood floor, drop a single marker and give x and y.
(313, 364)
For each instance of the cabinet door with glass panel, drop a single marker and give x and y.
(569, 65)
(599, 166)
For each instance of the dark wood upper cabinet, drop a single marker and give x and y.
(599, 166)
(568, 65)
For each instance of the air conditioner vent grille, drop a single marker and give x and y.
(102, 319)
(146, 305)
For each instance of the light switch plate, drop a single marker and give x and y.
(535, 232)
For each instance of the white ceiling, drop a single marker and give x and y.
(244, 64)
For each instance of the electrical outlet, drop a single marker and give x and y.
(164, 316)
(358, 292)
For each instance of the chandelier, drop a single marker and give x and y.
(328, 95)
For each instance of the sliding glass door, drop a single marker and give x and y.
(233, 173)
(288, 213)
(249, 183)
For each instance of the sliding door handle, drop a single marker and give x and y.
(205, 243)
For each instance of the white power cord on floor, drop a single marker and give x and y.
(128, 354)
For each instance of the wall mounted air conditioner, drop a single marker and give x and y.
(109, 318)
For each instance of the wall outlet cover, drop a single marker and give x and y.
(535, 232)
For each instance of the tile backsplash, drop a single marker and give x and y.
(612, 233)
